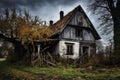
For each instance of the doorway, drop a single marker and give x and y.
(85, 50)
(84, 53)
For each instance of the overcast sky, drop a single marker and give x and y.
(48, 9)
(45, 9)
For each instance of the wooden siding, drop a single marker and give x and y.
(70, 33)
(87, 35)
(79, 17)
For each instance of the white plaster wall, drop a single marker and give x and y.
(63, 48)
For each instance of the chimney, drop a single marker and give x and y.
(51, 22)
(61, 15)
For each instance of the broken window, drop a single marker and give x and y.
(69, 50)
(79, 32)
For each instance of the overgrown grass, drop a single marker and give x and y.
(8, 70)
(101, 73)
(33, 73)
(2, 59)
(60, 71)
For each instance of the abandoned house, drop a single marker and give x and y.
(75, 33)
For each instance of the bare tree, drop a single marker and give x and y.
(20, 29)
(109, 15)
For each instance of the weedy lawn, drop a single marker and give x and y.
(18, 72)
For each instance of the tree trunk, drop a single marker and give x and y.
(117, 41)
(117, 36)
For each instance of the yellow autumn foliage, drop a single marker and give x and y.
(23, 28)
(27, 33)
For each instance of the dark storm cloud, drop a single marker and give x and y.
(33, 4)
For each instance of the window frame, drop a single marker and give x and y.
(78, 32)
(69, 48)
(88, 50)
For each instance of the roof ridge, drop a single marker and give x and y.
(69, 12)
(60, 24)
(64, 20)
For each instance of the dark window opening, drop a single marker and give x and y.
(85, 50)
(69, 50)
(79, 32)
(85, 54)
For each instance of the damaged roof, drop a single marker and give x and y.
(60, 24)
